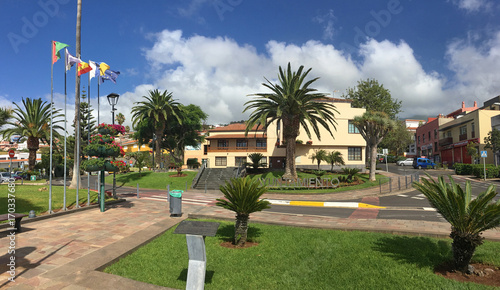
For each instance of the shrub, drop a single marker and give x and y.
(491, 171)
(463, 169)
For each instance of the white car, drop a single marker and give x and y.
(406, 162)
(4, 177)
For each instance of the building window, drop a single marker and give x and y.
(448, 134)
(239, 161)
(463, 130)
(263, 161)
(423, 138)
(354, 153)
(352, 129)
(222, 143)
(472, 130)
(220, 161)
(435, 134)
(261, 143)
(429, 135)
(241, 143)
(418, 139)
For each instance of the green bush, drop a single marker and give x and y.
(491, 171)
(463, 169)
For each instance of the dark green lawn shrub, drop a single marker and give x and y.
(463, 169)
(491, 171)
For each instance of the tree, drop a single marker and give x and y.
(398, 139)
(140, 158)
(158, 107)
(373, 126)
(319, 155)
(242, 195)
(33, 123)
(120, 118)
(256, 160)
(334, 158)
(292, 103)
(87, 124)
(492, 141)
(76, 166)
(372, 96)
(468, 217)
(471, 150)
(5, 115)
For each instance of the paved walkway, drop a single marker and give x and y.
(67, 251)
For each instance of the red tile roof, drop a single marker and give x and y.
(235, 127)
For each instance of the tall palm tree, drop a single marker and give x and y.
(334, 158)
(75, 180)
(157, 107)
(319, 155)
(33, 123)
(293, 104)
(120, 118)
(468, 217)
(242, 195)
(373, 126)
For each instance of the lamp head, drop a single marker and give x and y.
(113, 99)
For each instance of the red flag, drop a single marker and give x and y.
(83, 68)
(56, 46)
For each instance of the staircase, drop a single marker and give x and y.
(212, 178)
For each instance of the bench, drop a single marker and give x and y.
(17, 216)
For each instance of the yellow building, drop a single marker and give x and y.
(229, 147)
(468, 128)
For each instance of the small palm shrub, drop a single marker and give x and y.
(468, 217)
(352, 173)
(242, 195)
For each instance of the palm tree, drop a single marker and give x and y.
(373, 126)
(75, 180)
(255, 159)
(319, 155)
(120, 118)
(293, 103)
(5, 115)
(157, 107)
(334, 158)
(242, 195)
(468, 217)
(33, 123)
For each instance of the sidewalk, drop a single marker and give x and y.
(67, 252)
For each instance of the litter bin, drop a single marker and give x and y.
(175, 202)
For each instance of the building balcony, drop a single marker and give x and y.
(462, 137)
(446, 141)
(236, 149)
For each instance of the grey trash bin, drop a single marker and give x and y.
(175, 202)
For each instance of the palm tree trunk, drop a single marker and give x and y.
(241, 229)
(76, 167)
(33, 146)
(463, 248)
(158, 156)
(373, 162)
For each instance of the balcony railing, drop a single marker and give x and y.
(236, 149)
(462, 137)
(446, 141)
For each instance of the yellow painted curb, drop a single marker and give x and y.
(307, 203)
(365, 205)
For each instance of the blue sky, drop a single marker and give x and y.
(432, 55)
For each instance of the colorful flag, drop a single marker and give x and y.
(95, 72)
(103, 67)
(109, 75)
(83, 68)
(56, 46)
(70, 60)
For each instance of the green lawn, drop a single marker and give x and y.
(301, 258)
(27, 197)
(154, 180)
(279, 174)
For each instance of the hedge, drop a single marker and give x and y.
(491, 171)
(463, 169)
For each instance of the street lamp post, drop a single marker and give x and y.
(113, 100)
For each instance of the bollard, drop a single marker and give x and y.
(411, 178)
(137, 190)
(380, 185)
(168, 192)
(390, 184)
(205, 188)
(186, 186)
(399, 184)
(406, 181)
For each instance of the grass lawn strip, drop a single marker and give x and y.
(302, 258)
(154, 180)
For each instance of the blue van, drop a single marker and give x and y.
(423, 163)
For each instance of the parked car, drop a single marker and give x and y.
(423, 163)
(4, 176)
(406, 162)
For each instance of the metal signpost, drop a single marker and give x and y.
(484, 154)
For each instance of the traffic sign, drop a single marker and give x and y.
(11, 153)
(484, 154)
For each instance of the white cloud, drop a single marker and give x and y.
(326, 21)
(472, 5)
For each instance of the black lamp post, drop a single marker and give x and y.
(113, 100)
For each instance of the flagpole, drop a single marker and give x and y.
(99, 172)
(65, 121)
(88, 139)
(51, 109)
